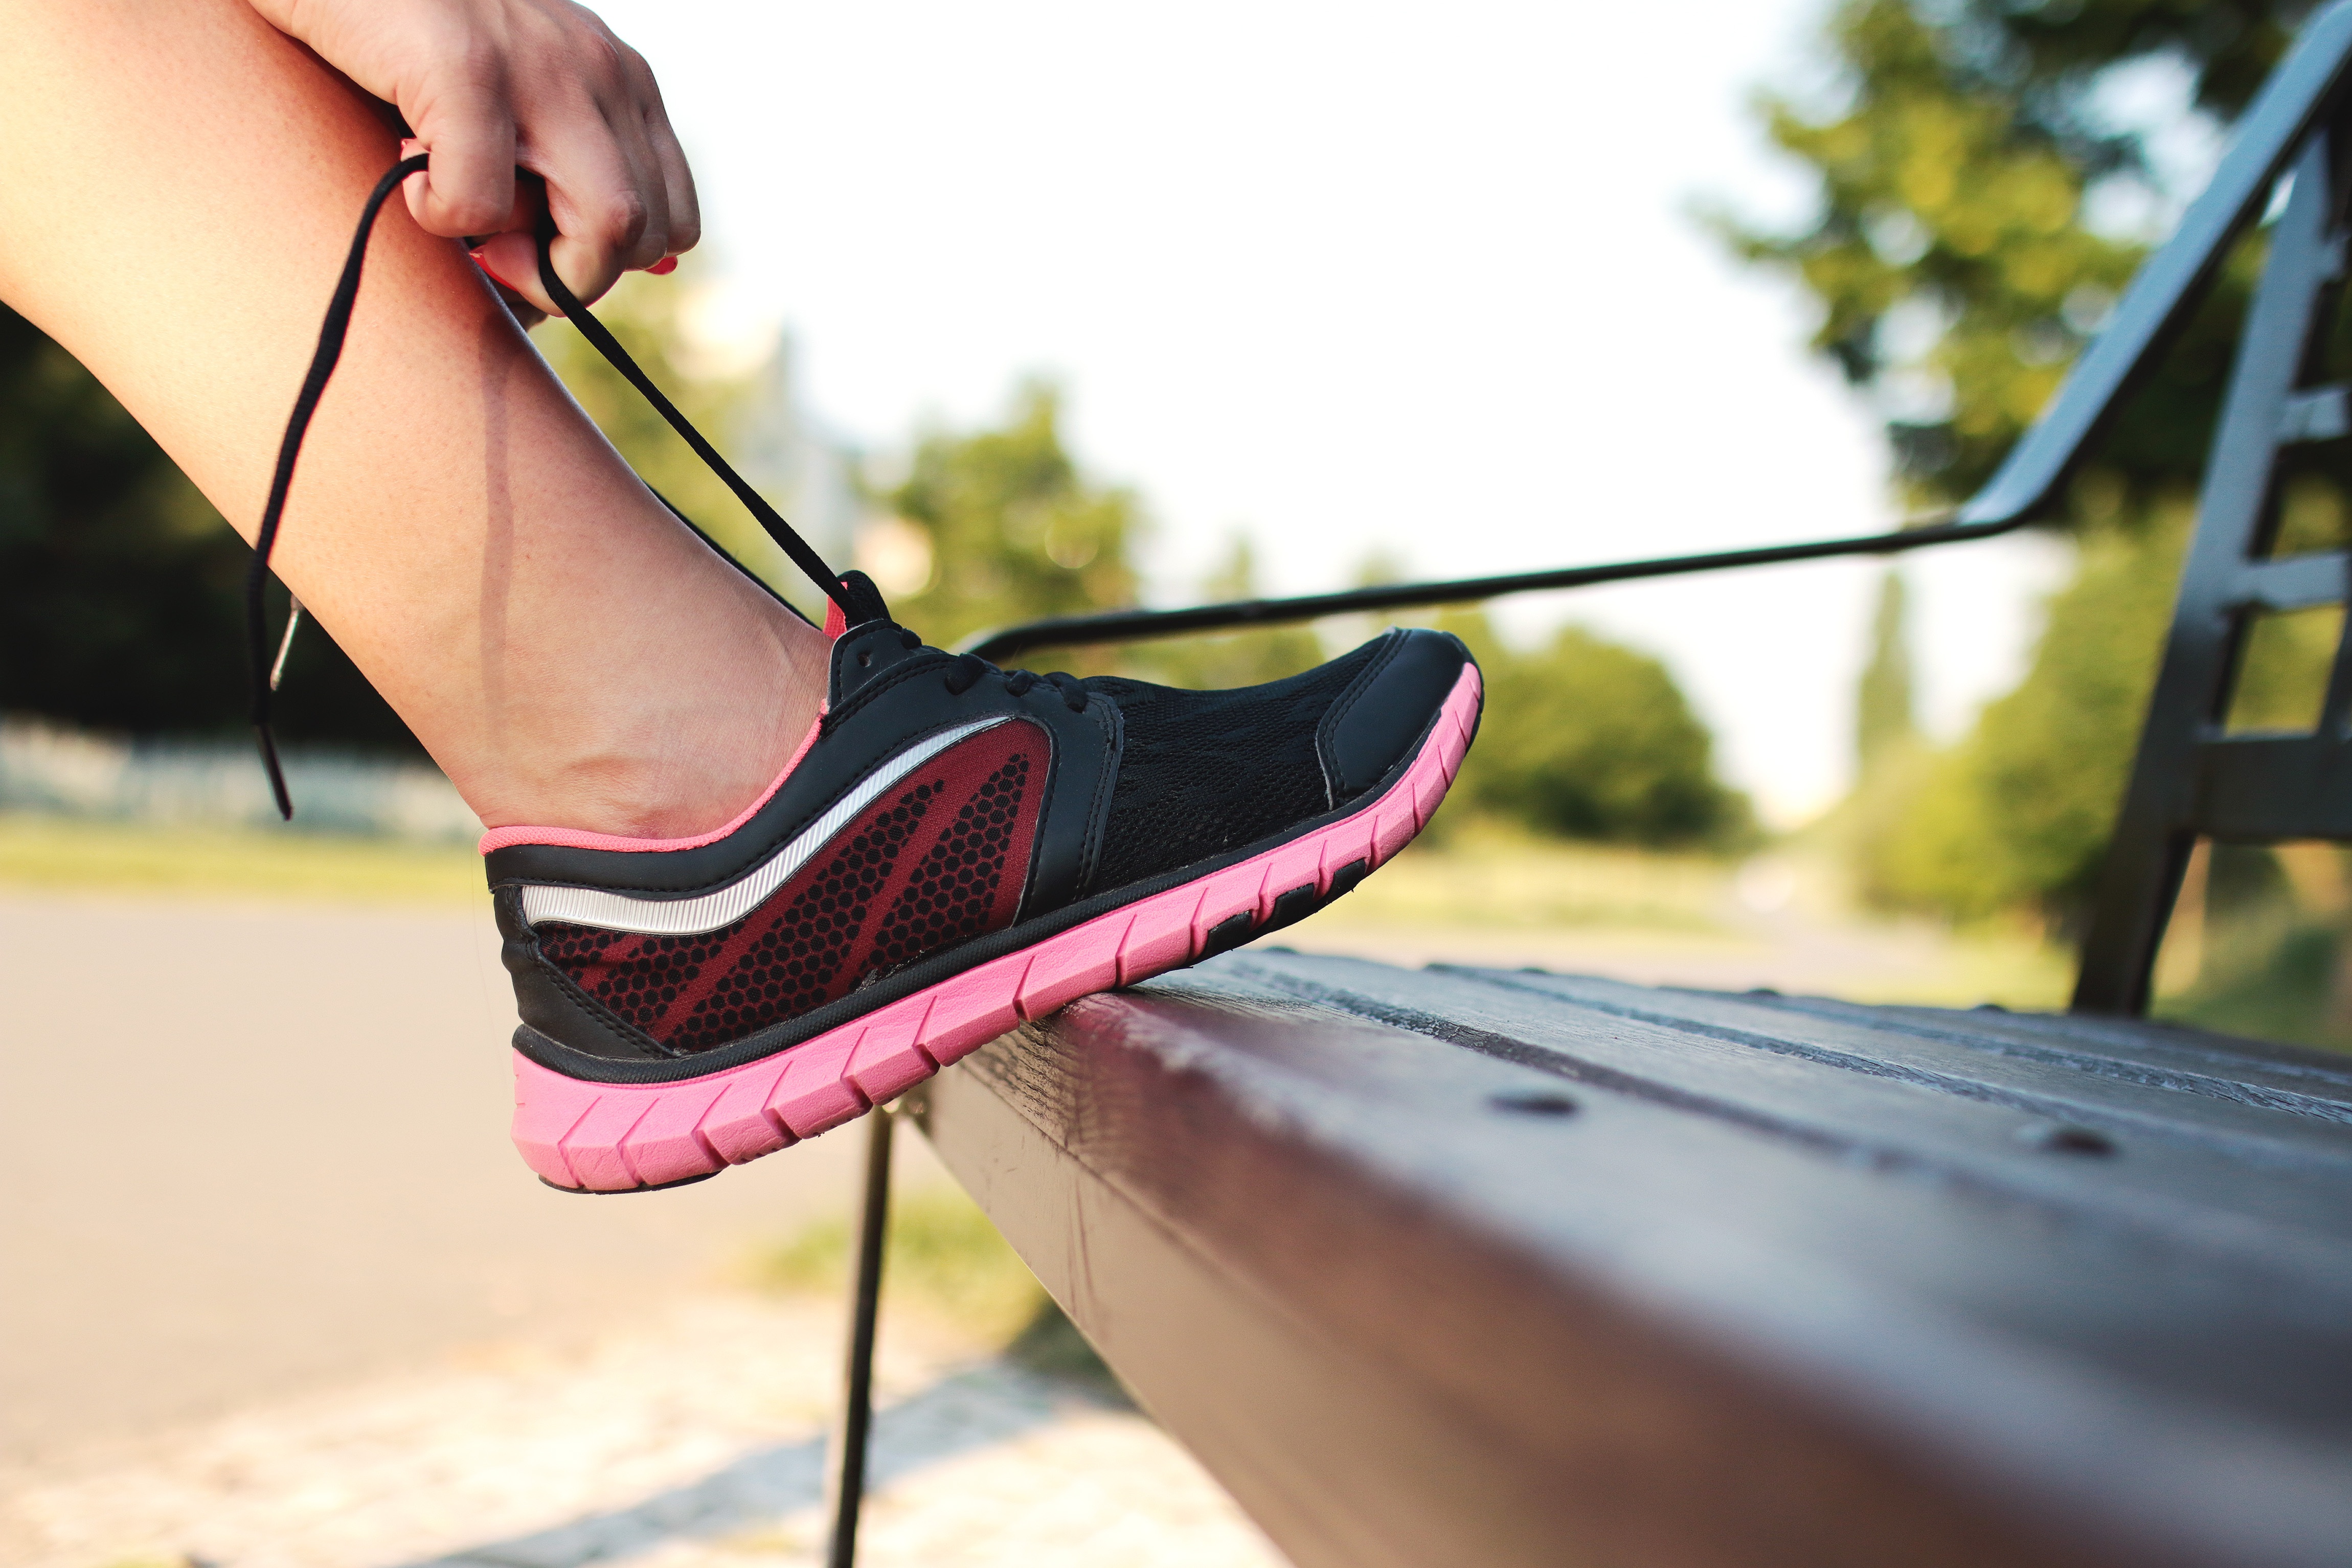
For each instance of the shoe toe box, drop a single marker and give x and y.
(1379, 720)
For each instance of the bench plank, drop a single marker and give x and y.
(1785, 1286)
(1940, 1103)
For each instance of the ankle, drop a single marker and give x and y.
(661, 764)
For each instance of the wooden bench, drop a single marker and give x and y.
(1465, 1266)
(1483, 1267)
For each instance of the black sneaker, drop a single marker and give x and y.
(953, 850)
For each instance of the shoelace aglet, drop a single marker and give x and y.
(285, 646)
(268, 744)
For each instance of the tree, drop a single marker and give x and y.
(1959, 261)
(1236, 659)
(1957, 267)
(2017, 815)
(1884, 721)
(1015, 530)
(121, 590)
(1590, 739)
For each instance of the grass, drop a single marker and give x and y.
(1485, 876)
(2283, 984)
(60, 854)
(947, 1258)
(1477, 881)
(943, 1252)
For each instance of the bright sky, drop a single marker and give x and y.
(1359, 277)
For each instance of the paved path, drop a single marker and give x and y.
(277, 1290)
(243, 1151)
(691, 1440)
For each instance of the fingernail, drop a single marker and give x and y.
(483, 262)
(664, 268)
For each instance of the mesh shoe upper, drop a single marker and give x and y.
(941, 809)
(1205, 772)
(937, 860)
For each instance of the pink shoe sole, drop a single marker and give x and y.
(623, 1137)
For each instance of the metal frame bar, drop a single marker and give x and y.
(2188, 778)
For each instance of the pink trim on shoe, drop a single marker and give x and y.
(573, 839)
(612, 1138)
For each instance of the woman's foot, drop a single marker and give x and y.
(955, 850)
(952, 849)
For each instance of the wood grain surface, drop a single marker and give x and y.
(1473, 1266)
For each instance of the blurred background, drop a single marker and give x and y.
(1041, 307)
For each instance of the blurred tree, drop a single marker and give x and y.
(2017, 815)
(1241, 659)
(1956, 263)
(643, 313)
(1883, 720)
(1590, 739)
(1015, 530)
(1960, 261)
(121, 591)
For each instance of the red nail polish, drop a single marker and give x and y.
(482, 263)
(664, 268)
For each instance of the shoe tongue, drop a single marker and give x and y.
(866, 603)
(861, 654)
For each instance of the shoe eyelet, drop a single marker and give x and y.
(866, 660)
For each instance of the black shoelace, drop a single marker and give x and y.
(969, 668)
(858, 599)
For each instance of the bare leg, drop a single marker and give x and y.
(177, 186)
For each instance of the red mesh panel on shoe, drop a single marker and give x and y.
(961, 887)
(944, 853)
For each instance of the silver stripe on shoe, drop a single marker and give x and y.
(710, 911)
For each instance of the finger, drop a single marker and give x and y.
(470, 187)
(604, 212)
(511, 260)
(677, 184)
(510, 255)
(677, 178)
(631, 137)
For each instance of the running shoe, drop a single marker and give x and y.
(956, 850)
(953, 850)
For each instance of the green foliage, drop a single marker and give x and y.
(1241, 659)
(1958, 275)
(1884, 719)
(2290, 987)
(1586, 739)
(2258, 944)
(1016, 531)
(643, 312)
(942, 1251)
(2018, 813)
(1952, 183)
(121, 591)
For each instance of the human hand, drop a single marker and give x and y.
(488, 86)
